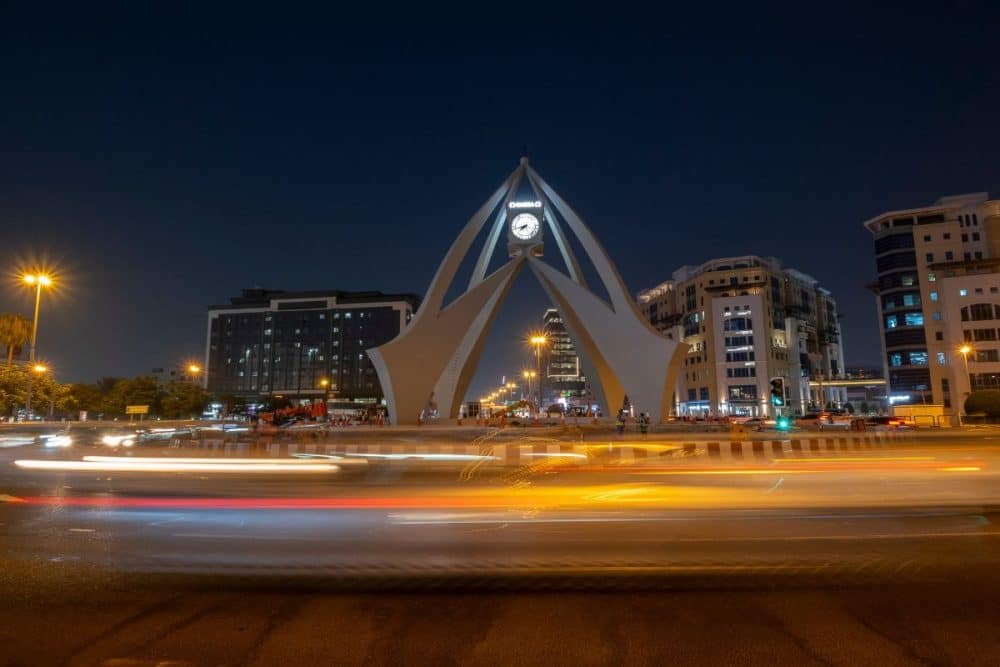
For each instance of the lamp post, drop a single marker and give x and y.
(539, 340)
(528, 375)
(38, 281)
(965, 350)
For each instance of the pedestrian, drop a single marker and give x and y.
(643, 423)
(620, 423)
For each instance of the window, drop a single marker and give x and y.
(930, 257)
(949, 255)
(931, 277)
(984, 334)
(979, 254)
(743, 392)
(963, 292)
(896, 359)
(890, 322)
(938, 335)
(947, 236)
(987, 356)
(979, 290)
(914, 319)
(937, 315)
(980, 311)
(967, 256)
(934, 296)
(927, 238)
(918, 358)
(975, 220)
(975, 236)
(911, 299)
(940, 358)
(704, 393)
(965, 238)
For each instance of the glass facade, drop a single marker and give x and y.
(281, 346)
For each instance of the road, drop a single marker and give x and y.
(882, 556)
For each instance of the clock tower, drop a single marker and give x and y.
(524, 227)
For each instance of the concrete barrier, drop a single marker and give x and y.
(626, 452)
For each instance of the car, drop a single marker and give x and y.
(824, 421)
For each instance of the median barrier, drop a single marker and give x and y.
(730, 450)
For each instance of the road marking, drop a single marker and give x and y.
(81, 530)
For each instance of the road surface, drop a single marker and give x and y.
(885, 556)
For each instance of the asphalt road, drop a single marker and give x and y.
(887, 556)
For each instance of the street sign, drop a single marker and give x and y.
(137, 409)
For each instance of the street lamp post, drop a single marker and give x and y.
(38, 281)
(965, 350)
(538, 341)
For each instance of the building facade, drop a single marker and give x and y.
(302, 345)
(937, 298)
(748, 320)
(563, 381)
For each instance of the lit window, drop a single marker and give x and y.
(890, 322)
(934, 296)
(896, 359)
(937, 315)
(940, 358)
(931, 277)
(918, 358)
(914, 319)
(963, 292)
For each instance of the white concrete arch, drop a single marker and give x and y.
(434, 358)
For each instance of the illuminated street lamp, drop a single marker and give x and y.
(539, 341)
(965, 350)
(528, 375)
(38, 281)
(39, 368)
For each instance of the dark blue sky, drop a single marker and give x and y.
(166, 159)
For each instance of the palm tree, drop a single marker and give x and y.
(15, 331)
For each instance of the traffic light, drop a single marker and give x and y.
(783, 423)
(778, 392)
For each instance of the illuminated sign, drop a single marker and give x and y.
(524, 204)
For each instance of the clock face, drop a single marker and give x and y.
(524, 226)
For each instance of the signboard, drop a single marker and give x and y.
(137, 409)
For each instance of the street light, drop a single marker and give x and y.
(38, 281)
(527, 377)
(965, 350)
(538, 340)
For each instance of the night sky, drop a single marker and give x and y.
(164, 161)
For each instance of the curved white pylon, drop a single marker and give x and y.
(436, 354)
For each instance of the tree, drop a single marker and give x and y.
(46, 392)
(865, 408)
(984, 401)
(132, 391)
(182, 400)
(15, 331)
(849, 408)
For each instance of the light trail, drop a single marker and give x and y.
(134, 465)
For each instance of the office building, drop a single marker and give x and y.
(302, 345)
(938, 276)
(748, 320)
(563, 381)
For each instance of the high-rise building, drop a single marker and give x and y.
(562, 379)
(749, 321)
(938, 276)
(302, 345)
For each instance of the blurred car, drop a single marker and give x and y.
(824, 421)
(887, 423)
